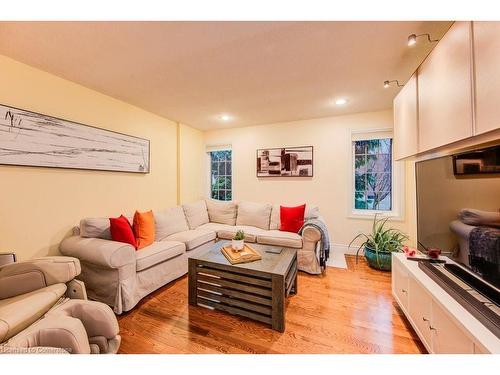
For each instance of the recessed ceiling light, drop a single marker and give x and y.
(225, 117)
(340, 101)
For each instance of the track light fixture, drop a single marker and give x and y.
(412, 39)
(388, 83)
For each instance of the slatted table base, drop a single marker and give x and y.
(229, 289)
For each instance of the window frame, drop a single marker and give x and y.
(209, 150)
(397, 177)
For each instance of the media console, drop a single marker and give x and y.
(442, 323)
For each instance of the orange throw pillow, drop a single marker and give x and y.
(144, 228)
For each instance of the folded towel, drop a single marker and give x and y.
(474, 217)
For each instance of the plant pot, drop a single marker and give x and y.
(237, 245)
(380, 261)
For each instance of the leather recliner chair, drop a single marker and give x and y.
(43, 309)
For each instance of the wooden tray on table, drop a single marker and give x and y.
(248, 254)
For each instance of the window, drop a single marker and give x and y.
(373, 174)
(221, 175)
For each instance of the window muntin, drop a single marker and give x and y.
(373, 179)
(221, 175)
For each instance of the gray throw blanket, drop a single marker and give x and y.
(484, 251)
(324, 245)
(484, 242)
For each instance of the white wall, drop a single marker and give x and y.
(330, 188)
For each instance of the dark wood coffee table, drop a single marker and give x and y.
(256, 290)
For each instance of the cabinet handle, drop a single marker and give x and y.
(403, 290)
(432, 328)
(425, 319)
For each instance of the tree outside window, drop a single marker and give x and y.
(373, 174)
(221, 175)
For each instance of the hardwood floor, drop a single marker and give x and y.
(346, 311)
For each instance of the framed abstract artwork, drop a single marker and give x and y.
(34, 139)
(285, 162)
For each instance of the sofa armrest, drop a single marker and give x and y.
(311, 236)
(461, 229)
(100, 252)
(30, 275)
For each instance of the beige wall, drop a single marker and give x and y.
(39, 206)
(192, 161)
(331, 185)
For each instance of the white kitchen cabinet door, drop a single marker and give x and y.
(447, 337)
(445, 90)
(400, 286)
(419, 310)
(486, 44)
(405, 120)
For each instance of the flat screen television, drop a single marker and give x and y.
(442, 194)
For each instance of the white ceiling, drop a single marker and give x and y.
(258, 72)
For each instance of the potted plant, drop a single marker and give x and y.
(238, 241)
(380, 244)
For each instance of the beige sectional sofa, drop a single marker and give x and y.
(118, 275)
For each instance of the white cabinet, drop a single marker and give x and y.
(400, 286)
(486, 44)
(442, 324)
(445, 90)
(453, 96)
(419, 311)
(405, 120)
(446, 336)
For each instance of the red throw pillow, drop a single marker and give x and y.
(121, 230)
(292, 218)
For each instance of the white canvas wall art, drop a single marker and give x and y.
(33, 139)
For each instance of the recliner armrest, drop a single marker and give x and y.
(54, 332)
(100, 252)
(30, 275)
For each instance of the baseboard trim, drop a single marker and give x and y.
(343, 249)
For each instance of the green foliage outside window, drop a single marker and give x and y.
(220, 175)
(373, 174)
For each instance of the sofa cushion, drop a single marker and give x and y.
(275, 217)
(196, 214)
(214, 227)
(170, 221)
(279, 238)
(221, 212)
(121, 230)
(95, 227)
(18, 313)
(251, 233)
(144, 228)
(312, 212)
(292, 218)
(193, 238)
(158, 252)
(254, 214)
